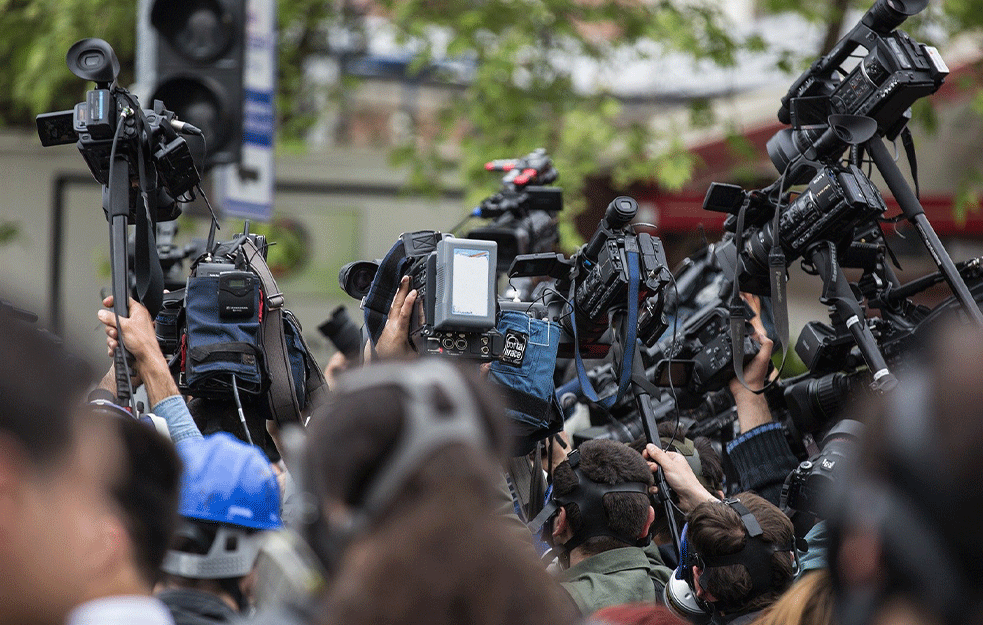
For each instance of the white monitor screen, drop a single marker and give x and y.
(470, 282)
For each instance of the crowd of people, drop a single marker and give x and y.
(391, 504)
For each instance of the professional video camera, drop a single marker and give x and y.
(455, 308)
(524, 212)
(143, 165)
(602, 276)
(894, 73)
(698, 359)
(111, 122)
(829, 209)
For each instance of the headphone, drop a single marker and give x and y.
(756, 556)
(588, 495)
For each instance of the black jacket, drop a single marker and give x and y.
(196, 607)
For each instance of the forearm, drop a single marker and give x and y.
(156, 377)
(752, 410)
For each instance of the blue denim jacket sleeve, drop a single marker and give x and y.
(175, 412)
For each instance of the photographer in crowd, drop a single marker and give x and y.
(598, 519)
(738, 554)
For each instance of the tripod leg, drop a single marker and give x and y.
(837, 292)
(914, 212)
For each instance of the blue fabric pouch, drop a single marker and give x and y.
(218, 348)
(525, 373)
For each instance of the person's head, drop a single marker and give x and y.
(55, 470)
(229, 498)
(445, 566)
(740, 552)
(905, 532)
(144, 500)
(610, 519)
(397, 436)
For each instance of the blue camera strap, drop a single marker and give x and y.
(634, 276)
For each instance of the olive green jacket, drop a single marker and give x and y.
(617, 576)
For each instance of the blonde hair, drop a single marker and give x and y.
(808, 602)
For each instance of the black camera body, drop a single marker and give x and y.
(145, 134)
(894, 73)
(455, 311)
(836, 201)
(599, 276)
(807, 489)
(525, 223)
(701, 359)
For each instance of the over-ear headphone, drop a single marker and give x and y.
(755, 556)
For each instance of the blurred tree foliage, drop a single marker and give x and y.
(521, 96)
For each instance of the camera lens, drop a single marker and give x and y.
(356, 277)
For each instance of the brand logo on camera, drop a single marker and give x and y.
(515, 348)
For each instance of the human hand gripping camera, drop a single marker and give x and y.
(149, 365)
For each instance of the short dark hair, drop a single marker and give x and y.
(716, 529)
(606, 461)
(41, 385)
(147, 493)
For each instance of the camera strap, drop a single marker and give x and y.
(634, 276)
(777, 268)
(146, 263)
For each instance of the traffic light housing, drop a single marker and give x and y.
(200, 45)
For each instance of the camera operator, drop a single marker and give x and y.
(600, 523)
(761, 455)
(56, 468)
(737, 572)
(229, 499)
(737, 563)
(404, 464)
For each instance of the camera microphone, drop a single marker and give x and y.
(185, 128)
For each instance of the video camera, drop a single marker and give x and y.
(836, 201)
(455, 308)
(524, 212)
(111, 121)
(599, 277)
(699, 360)
(895, 72)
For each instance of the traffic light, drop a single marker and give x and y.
(199, 64)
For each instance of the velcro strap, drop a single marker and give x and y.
(221, 351)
